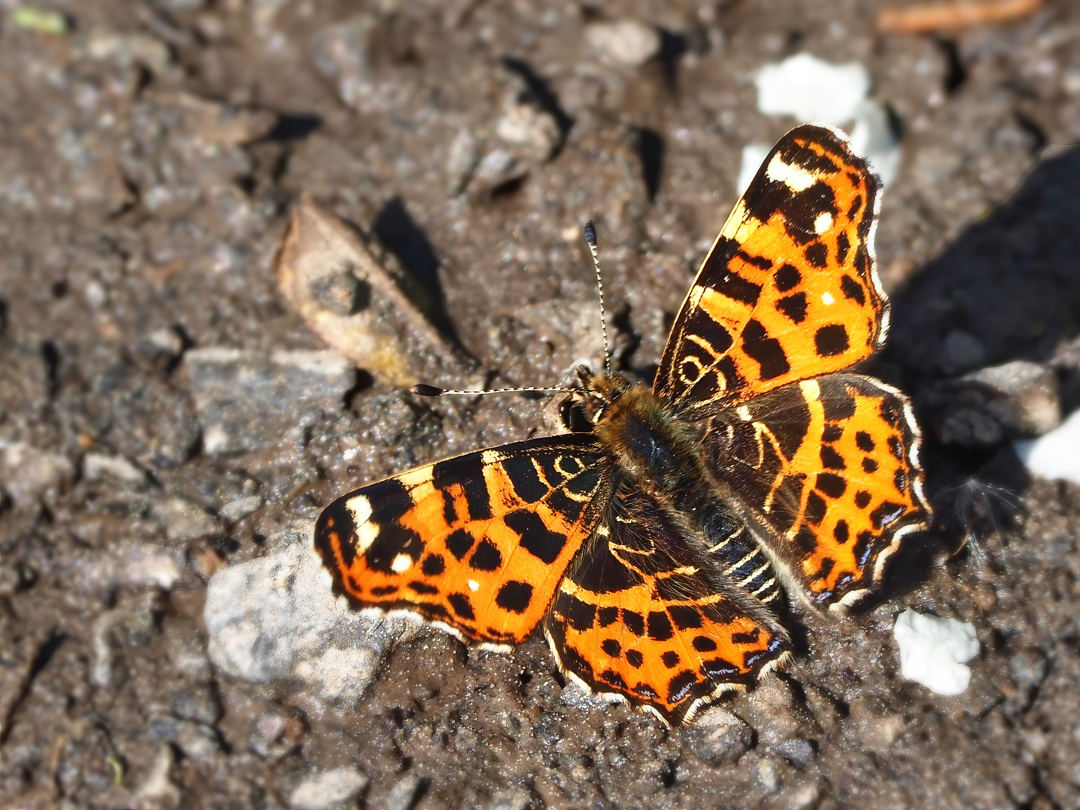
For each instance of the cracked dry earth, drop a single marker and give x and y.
(166, 418)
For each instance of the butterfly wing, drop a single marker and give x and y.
(644, 615)
(789, 289)
(827, 471)
(477, 542)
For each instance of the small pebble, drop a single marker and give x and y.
(627, 43)
(328, 790)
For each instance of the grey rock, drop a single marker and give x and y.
(135, 567)
(512, 799)
(403, 793)
(532, 130)
(497, 167)
(115, 469)
(1027, 396)
(276, 618)
(328, 790)
(199, 703)
(240, 508)
(462, 158)
(718, 736)
(198, 743)
(799, 751)
(28, 474)
(961, 351)
(183, 521)
(143, 417)
(128, 50)
(274, 734)
(247, 400)
(345, 54)
(160, 349)
(1014, 400)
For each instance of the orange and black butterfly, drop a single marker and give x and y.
(655, 547)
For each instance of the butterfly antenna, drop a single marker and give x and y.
(422, 390)
(590, 237)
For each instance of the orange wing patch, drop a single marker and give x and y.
(789, 289)
(828, 469)
(478, 542)
(645, 616)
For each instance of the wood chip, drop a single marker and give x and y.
(925, 18)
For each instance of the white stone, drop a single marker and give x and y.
(624, 42)
(1055, 454)
(811, 89)
(933, 651)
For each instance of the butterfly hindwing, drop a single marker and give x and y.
(643, 613)
(827, 470)
(478, 542)
(789, 289)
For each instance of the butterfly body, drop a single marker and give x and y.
(655, 546)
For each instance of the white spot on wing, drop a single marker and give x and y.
(823, 222)
(474, 586)
(366, 531)
(826, 298)
(401, 563)
(794, 177)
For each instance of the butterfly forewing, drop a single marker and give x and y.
(788, 290)
(827, 469)
(644, 614)
(478, 542)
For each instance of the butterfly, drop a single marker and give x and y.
(656, 547)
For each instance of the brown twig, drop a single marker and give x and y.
(925, 18)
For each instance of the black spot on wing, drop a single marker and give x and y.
(830, 484)
(843, 245)
(634, 658)
(461, 605)
(685, 617)
(817, 254)
(486, 557)
(514, 596)
(815, 508)
(611, 647)
(793, 307)
(433, 565)
(765, 350)
(704, 644)
(735, 286)
(659, 626)
(467, 472)
(634, 622)
(458, 543)
(760, 262)
(681, 686)
(607, 616)
(831, 340)
(670, 659)
(787, 278)
(536, 537)
(830, 459)
(525, 479)
(851, 289)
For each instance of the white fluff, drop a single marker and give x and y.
(933, 651)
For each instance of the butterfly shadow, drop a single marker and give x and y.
(1006, 289)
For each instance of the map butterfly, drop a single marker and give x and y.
(656, 547)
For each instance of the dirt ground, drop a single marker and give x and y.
(149, 155)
